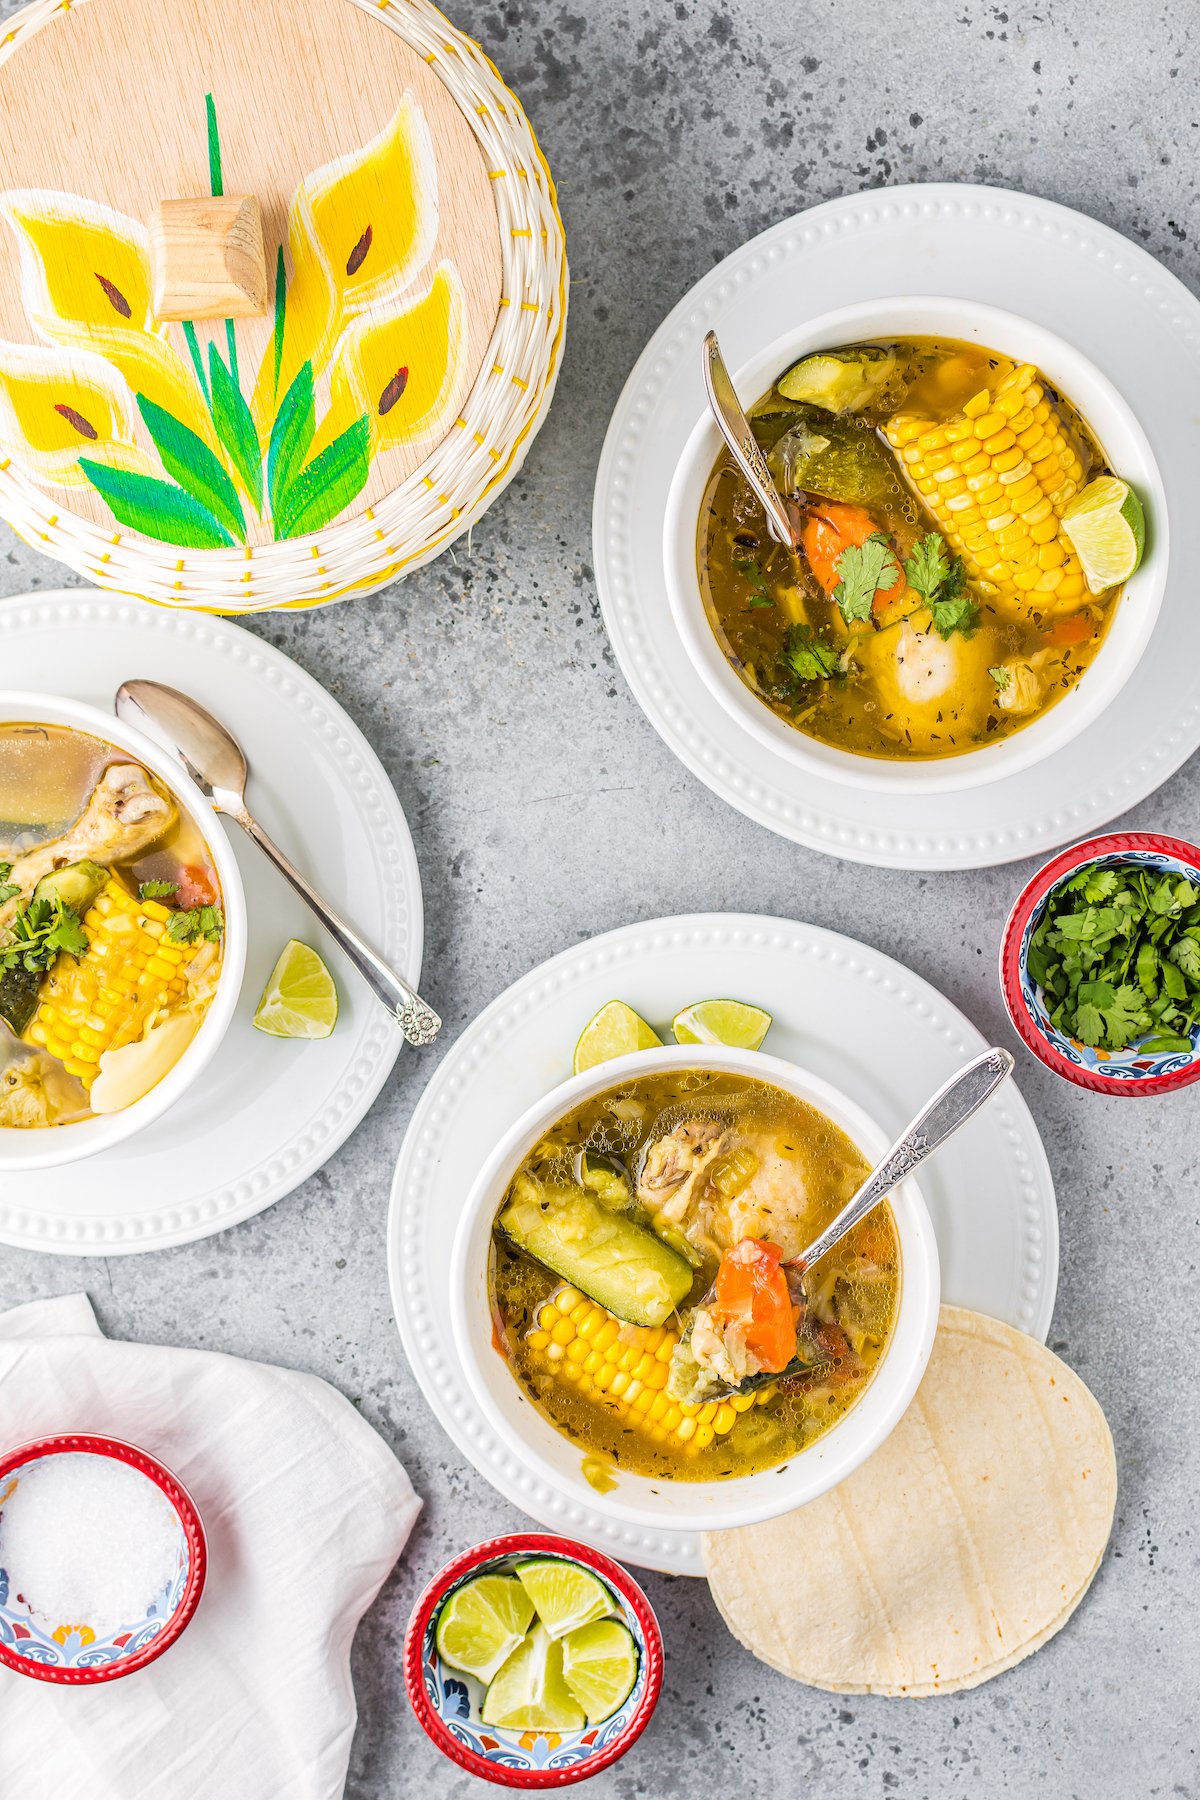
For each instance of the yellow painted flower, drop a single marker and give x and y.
(86, 285)
(81, 263)
(360, 229)
(57, 405)
(84, 1633)
(405, 371)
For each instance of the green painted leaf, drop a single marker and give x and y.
(235, 426)
(215, 180)
(189, 459)
(291, 435)
(155, 508)
(280, 314)
(329, 483)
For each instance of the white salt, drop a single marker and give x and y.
(87, 1540)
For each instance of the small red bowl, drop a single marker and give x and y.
(445, 1701)
(65, 1655)
(1128, 1072)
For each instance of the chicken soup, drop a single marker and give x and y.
(638, 1283)
(957, 573)
(110, 928)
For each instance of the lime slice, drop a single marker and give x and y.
(529, 1693)
(564, 1594)
(616, 1030)
(1107, 530)
(300, 1000)
(729, 1022)
(482, 1623)
(600, 1665)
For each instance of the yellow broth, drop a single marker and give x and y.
(757, 594)
(47, 775)
(813, 1168)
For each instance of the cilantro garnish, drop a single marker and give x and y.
(809, 657)
(1001, 676)
(864, 570)
(38, 933)
(941, 581)
(7, 888)
(197, 923)
(1117, 956)
(760, 600)
(156, 890)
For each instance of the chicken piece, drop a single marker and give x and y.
(124, 815)
(673, 1165)
(1028, 678)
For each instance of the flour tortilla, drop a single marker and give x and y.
(964, 1543)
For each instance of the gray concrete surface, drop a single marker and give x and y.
(545, 809)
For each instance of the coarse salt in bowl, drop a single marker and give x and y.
(102, 1559)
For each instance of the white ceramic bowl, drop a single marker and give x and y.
(1115, 428)
(70, 1143)
(691, 1505)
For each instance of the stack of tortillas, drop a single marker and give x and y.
(964, 1543)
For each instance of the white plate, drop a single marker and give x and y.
(1106, 296)
(266, 1113)
(843, 1010)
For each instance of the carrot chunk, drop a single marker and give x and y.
(751, 1290)
(832, 528)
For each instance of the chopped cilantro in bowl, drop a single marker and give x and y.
(1100, 964)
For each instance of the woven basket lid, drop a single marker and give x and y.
(378, 387)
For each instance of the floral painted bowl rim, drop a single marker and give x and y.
(531, 1544)
(91, 1444)
(1012, 961)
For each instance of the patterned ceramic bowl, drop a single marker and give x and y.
(447, 1702)
(72, 1652)
(1103, 1071)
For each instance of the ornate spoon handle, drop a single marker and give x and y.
(949, 1109)
(415, 1017)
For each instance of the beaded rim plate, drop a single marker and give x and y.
(842, 1009)
(1076, 278)
(282, 1108)
(201, 550)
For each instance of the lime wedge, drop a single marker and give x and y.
(482, 1623)
(616, 1030)
(529, 1693)
(729, 1022)
(1107, 530)
(300, 1000)
(564, 1594)
(600, 1665)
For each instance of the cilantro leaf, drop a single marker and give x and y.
(809, 657)
(38, 932)
(197, 923)
(941, 581)
(8, 889)
(156, 890)
(1185, 954)
(864, 570)
(1001, 676)
(928, 568)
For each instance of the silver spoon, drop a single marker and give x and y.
(215, 761)
(949, 1109)
(734, 427)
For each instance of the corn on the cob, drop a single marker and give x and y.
(996, 477)
(128, 973)
(625, 1367)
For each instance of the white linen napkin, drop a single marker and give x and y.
(305, 1510)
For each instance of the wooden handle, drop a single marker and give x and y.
(209, 260)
